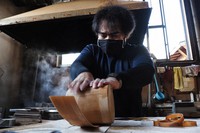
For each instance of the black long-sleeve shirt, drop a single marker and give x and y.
(133, 66)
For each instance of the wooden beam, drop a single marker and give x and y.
(67, 9)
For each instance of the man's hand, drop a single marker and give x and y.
(81, 82)
(85, 79)
(102, 82)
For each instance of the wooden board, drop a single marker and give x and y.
(66, 9)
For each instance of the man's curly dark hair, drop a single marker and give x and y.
(116, 16)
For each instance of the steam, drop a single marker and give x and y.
(51, 80)
(41, 78)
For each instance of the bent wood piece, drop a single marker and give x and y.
(96, 105)
(174, 120)
(68, 109)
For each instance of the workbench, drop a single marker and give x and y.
(131, 125)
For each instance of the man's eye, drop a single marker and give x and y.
(103, 35)
(116, 34)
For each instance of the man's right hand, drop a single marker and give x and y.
(81, 82)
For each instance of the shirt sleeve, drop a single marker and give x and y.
(141, 72)
(83, 63)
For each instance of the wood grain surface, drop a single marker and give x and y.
(89, 108)
(66, 10)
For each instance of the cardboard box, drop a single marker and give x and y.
(189, 84)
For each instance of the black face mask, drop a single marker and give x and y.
(111, 47)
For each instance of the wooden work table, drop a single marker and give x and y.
(139, 125)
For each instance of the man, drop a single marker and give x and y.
(126, 67)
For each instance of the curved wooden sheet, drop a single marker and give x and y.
(69, 110)
(89, 108)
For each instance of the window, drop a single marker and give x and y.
(68, 59)
(168, 37)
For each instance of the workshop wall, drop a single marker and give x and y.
(10, 59)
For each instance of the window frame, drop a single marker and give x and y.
(192, 38)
